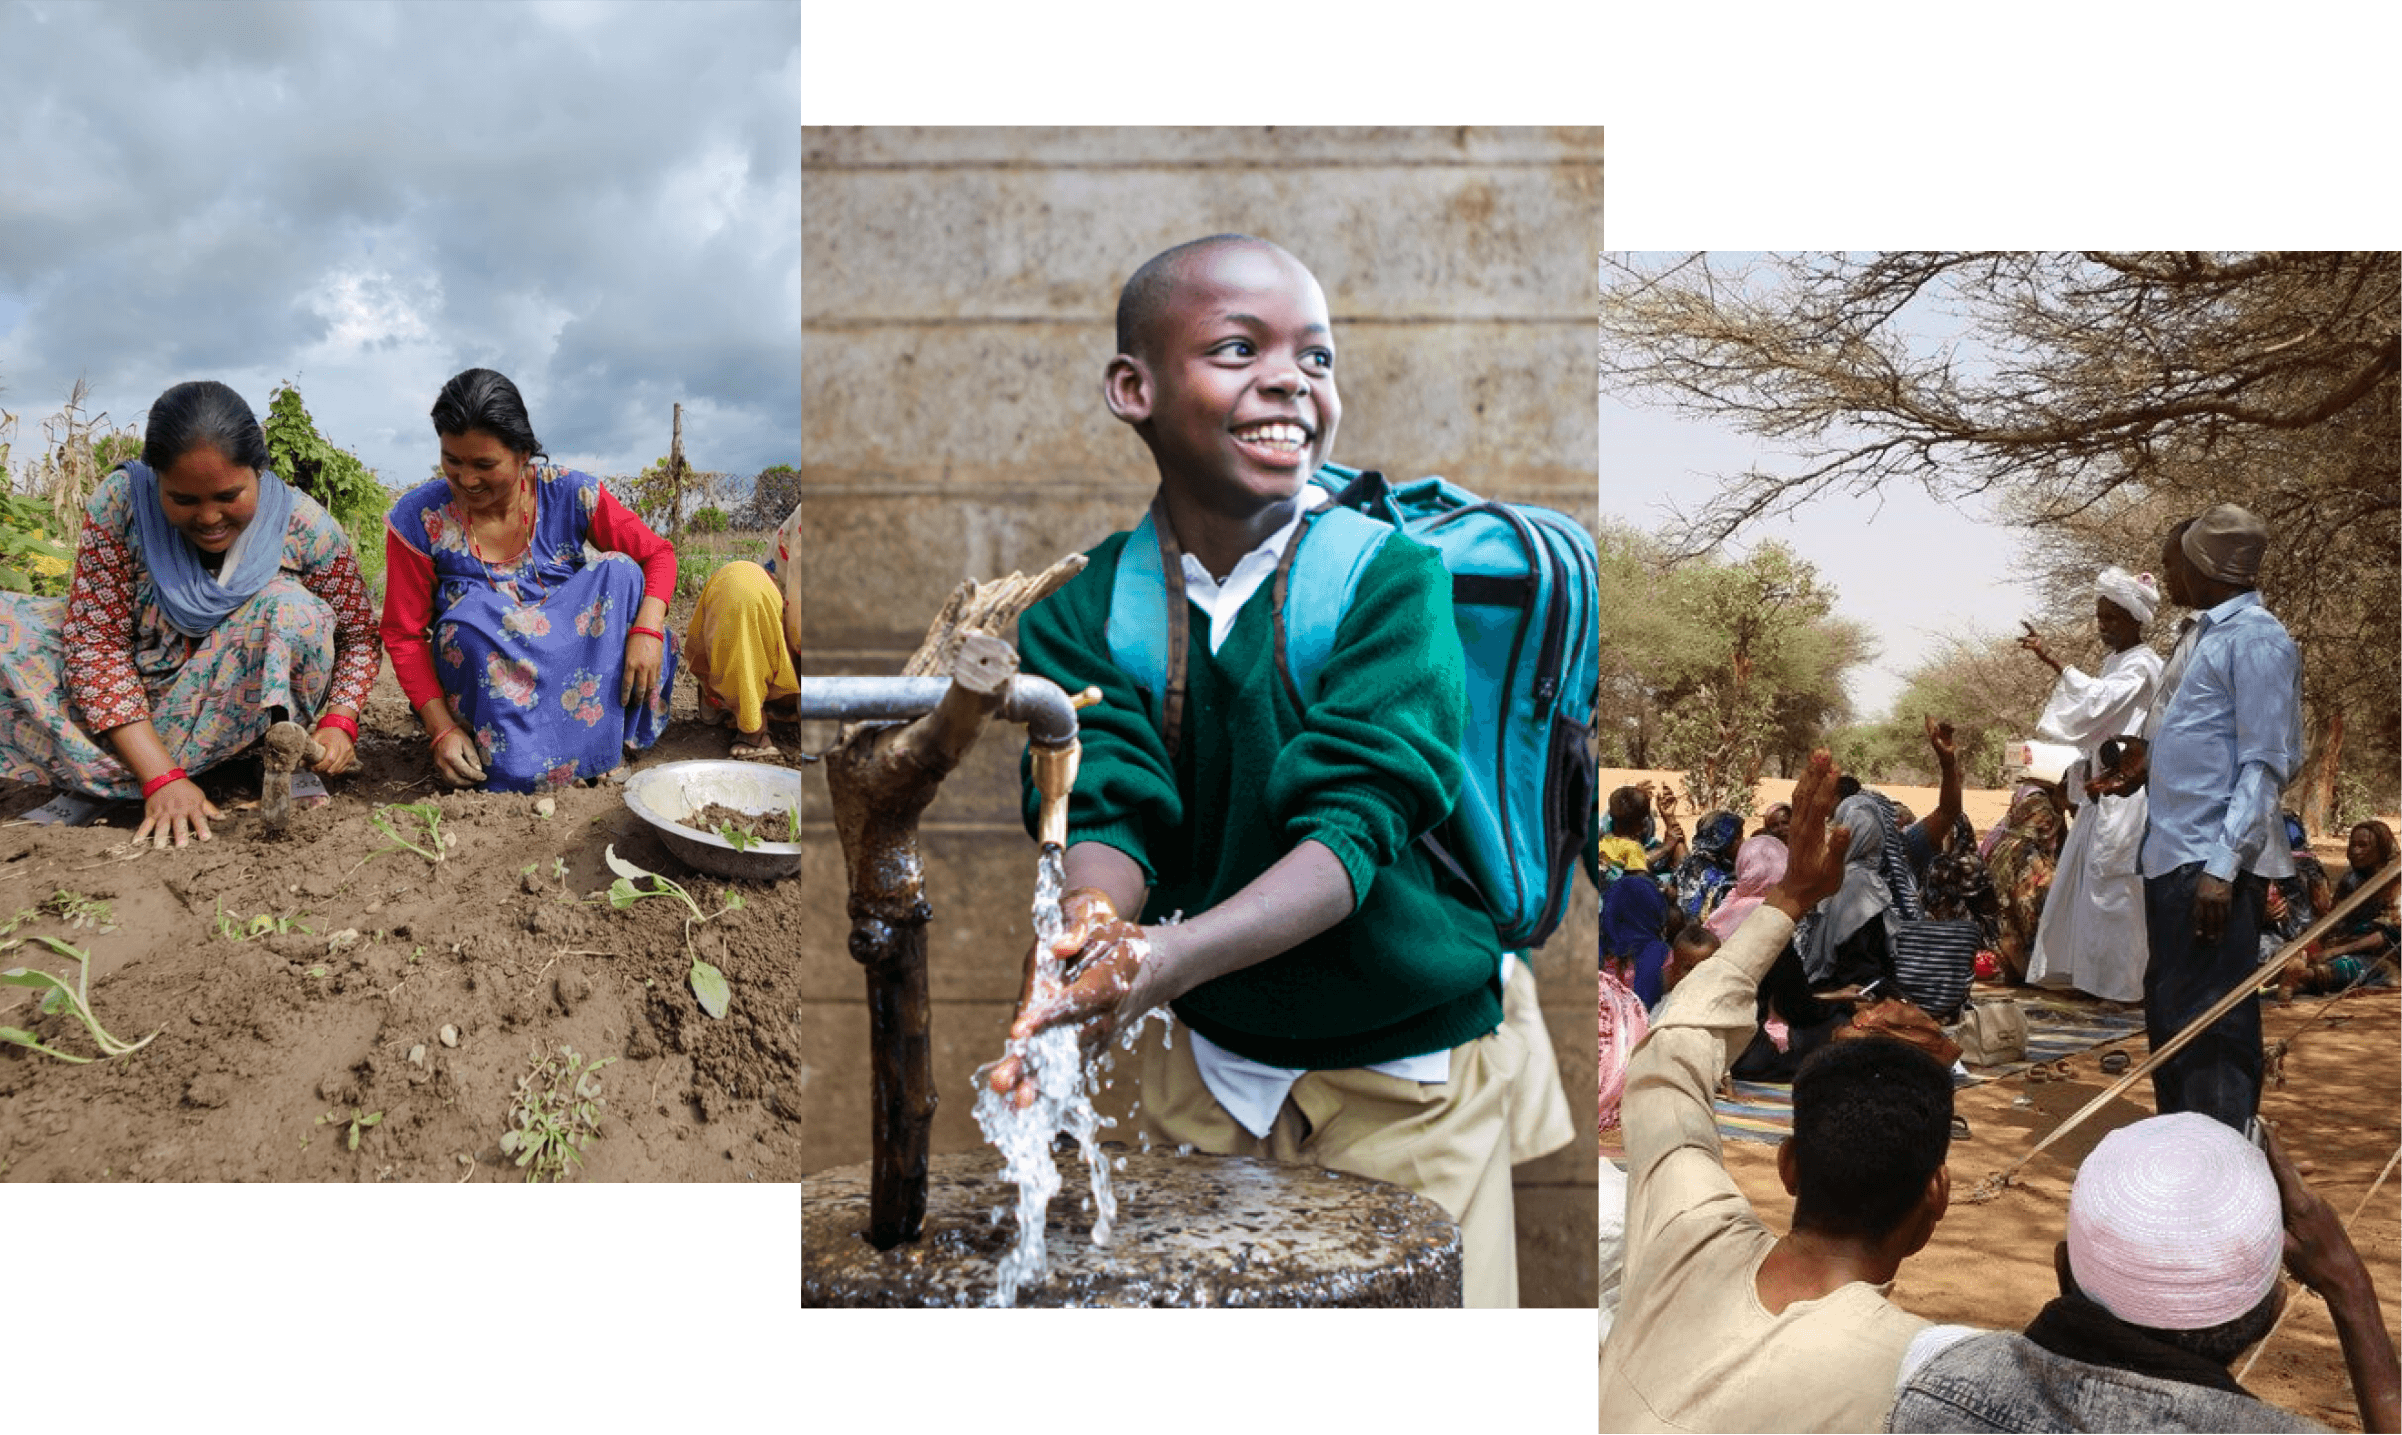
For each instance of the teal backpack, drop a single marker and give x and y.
(1524, 589)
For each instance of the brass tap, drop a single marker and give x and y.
(1055, 778)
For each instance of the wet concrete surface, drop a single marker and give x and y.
(1191, 1231)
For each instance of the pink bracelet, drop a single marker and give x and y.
(648, 632)
(340, 722)
(172, 774)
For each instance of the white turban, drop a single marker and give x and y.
(2135, 592)
(2174, 1223)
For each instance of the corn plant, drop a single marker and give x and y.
(58, 995)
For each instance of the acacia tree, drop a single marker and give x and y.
(2098, 397)
(1716, 666)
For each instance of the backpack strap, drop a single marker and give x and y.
(1150, 620)
(1312, 589)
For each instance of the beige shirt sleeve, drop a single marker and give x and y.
(1673, 1163)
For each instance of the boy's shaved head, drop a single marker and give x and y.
(1146, 295)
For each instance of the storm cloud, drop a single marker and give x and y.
(602, 201)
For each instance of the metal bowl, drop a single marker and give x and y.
(665, 795)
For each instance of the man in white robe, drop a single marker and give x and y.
(2092, 932)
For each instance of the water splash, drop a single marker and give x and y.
(1064, 1081)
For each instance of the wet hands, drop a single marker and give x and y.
(1815, 851)
(180, 808)
(1104, 981)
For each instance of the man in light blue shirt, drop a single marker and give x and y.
(2226, 736)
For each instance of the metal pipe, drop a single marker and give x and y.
(1042, 705)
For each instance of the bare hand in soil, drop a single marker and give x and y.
(180, 808)
(455, 759)
(1104, 978)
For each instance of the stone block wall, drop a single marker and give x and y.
(958, 288)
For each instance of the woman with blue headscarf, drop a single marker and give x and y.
(1634, 916)
(210, 600)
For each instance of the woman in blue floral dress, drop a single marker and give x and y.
(529, 667)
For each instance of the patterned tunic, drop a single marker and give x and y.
(529, 653)
(106, 656)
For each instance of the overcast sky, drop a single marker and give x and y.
(601, 201)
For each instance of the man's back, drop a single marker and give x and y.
(1692, 1347)
(2004, 1381)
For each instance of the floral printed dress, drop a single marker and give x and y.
(105, 656)
(530, 653)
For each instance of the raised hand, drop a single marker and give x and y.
(1939, 737)
(1814, 851)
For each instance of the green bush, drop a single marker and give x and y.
(29, 561)
(333, 476)
(708, 520)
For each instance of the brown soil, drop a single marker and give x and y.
(2338, 1110)
(766, 826)
(258, 1038)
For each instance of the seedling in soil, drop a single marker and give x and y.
(413, 827)
(359, 1122)
(266, 924)
(793, 811)
(738, 839)
(708, 983)
(556, 1115)
(78, 910)
(58, 996)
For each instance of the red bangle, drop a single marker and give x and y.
(340, 722)
(648, 632)
(172, 774)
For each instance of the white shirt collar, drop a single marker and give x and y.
(1223, 602)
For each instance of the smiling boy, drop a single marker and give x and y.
(1339, 993)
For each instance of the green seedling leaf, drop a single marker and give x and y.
(317, 971)
(371, 1118)
(54, 1001)
(622, 894)
(709, 984)
(738, 839)
(26, 1039)
(733, 900)
(621, 866)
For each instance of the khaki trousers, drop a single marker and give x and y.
(1449, 1143)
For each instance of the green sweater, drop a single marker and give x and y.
(1374, 763)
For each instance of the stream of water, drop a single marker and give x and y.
(1064, 1081)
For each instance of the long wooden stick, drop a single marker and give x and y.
(2244, 990)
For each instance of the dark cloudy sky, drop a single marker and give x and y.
(600, 200)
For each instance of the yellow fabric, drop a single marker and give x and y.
(1625, 854)
(735, 645)
(1449, 1143)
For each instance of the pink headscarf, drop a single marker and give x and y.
(1759, 865)
(1623, 1024)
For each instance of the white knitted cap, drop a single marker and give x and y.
(2174, 1223)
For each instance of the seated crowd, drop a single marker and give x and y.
(524, 609)
(2176, 1229)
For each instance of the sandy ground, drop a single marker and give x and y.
(1984, 805)
(2339, 1109)
(259, 1038)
